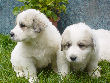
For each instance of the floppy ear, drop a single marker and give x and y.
(39, 23)
(95, 43)
(93, 64)
(65, 36)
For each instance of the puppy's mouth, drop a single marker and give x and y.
(14, 39)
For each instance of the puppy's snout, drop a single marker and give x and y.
(73, 58)
(12, 34)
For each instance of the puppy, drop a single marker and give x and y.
(78, 51)
(37, 44)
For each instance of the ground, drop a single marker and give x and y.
(7, 75)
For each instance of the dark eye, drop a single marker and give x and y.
(68, 45)
(81, 45)
(22, 25)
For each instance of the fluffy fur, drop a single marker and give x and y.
(37, 44)
(78, 50)
(103, 44)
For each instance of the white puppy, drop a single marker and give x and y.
(38, 43)
(78, 50)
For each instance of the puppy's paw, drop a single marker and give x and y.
(95, 74)
(55, 70)
(33, 80)
(20, 74)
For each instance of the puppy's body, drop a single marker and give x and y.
(41, 50)
(78, 50)
(103, 40)
(38, 43)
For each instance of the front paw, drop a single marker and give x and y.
(20, 74)
(33, 80)
(62, 74)
(95, 74)
(55, 70)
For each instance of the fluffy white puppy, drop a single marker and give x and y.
(38, 43)
(78, 50)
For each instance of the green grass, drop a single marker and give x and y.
(7, 75)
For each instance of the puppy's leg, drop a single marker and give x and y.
(15, 60)
(93, 69)
(24, 67)
(54, 64)
(29, 69)
(62, 64)
(19, 71)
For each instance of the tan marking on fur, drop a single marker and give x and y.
(87, 40)
(65, 37)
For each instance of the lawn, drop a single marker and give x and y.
(7, 75)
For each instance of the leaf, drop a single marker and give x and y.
(65, 1)
(48, 13)
(38, 5)
(52, 8)
(41, 1)
(27, 7)
(16, 10)
(22, 0)
(43, 9)
(22, 8)
(49, 3)
(63, 7)
(54, 16)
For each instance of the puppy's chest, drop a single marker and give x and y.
(42, 56)
(78, 66)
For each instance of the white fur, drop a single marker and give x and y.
(87, 56)
(38, 43)
(103, 44)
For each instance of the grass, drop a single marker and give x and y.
(7, 75)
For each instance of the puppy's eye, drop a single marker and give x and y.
(65, 46)
(22, 25)
(68, 45)
(81, 45)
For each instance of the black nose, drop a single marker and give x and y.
(73, 58)
(11, 34)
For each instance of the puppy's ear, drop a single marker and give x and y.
(39, 24)
(95, 46)
(65, 38)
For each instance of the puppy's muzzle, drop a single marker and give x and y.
(12, 34)
(73, 58)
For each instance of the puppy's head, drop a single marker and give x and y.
(29, 24)
(77, 42)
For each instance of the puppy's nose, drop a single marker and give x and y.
(11, 34)
(73, 58)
